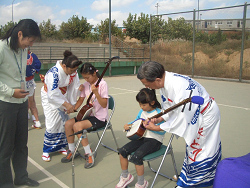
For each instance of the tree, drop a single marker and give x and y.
(75, 28)
(139, 28)
(103, 29)
(5, 28)
(178, 29)
(48, 29)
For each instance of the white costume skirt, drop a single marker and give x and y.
(54, 137)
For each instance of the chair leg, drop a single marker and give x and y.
(175, 177)
(163, 158)
(100, 140)
(73, 157)
(115, 150)
(155, 171)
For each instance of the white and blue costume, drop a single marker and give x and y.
(198, 126)
(58, 88)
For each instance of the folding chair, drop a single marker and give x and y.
(111, 107)
(163, 151)
(111, 103)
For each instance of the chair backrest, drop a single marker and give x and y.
(111, 103)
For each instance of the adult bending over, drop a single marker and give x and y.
(14, 104)
(199, 126)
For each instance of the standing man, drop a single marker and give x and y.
(14, 104)
(199, 126)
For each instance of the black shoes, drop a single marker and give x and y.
(28, 182)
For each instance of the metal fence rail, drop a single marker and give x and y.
(228, 19)
(49, 54)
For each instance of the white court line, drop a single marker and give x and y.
(234, 106)
(51, 177)
(132, 91)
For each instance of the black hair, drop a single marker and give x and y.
(150, 70)
(88, 68)
(28, 27)
(147, 95)
(70, 60)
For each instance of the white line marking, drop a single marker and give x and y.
(132, 91)
(47, 173)
(234, 106)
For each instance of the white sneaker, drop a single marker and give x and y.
(125, 181)
(145, 185)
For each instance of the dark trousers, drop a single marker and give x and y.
(13, 142)
(141, 148)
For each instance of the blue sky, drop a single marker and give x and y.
(94, 11)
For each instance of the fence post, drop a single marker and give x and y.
(243, 40)
(150, 37)
(193, 44)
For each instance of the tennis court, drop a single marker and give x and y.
(234, 103)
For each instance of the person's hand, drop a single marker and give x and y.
(20, 93)
(127, 127)
(81, 87)
(157, 120)
(148, 124)
(69, 107)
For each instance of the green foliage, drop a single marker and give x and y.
(139, 28)
(5, 28)
(75, 28)
(103, 29)
(212, 39)
(216, 38)
(178, 29)
(48, 29)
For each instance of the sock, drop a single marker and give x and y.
(87, 149)
(33, 118)
(71, 147)
(140, 180)
(125, 173)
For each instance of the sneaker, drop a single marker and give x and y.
(63, 151)
(86, 155)
(37, 125)
(145, 185)
(90, 160)
(69, 156)
(125, 181)
(46, 157)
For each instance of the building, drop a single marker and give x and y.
(223, 24)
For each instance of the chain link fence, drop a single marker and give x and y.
(211, 43)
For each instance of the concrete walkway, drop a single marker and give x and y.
(234, 103)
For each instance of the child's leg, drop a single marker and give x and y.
(124, 166)
(139, 170)
(80, 125)
(69, 131)
(140, 174)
